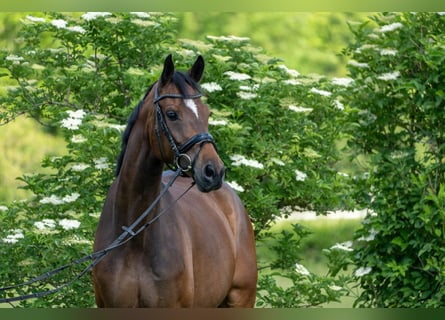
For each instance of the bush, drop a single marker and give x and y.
(285, 282)
(82, 75)
(397, 111)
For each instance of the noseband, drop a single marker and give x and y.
(182, 160)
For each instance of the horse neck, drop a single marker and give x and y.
(139, 180)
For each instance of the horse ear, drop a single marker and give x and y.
(167, 72)
(197, 69)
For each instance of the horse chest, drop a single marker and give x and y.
(172, 280)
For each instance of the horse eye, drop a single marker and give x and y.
(172, 115)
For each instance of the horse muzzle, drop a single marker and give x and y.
(209, 177)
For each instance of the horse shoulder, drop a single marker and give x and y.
(234, 210)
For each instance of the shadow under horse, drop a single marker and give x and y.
(201, 251)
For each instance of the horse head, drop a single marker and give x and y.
(181, 126)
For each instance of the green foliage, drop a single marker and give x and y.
(397, 111)
(285, 282)
(275, 129)
(307, 41)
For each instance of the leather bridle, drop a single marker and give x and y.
(181, 160)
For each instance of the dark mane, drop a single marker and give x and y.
(181, 80)
(126, 135)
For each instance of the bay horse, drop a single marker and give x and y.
(201, 252)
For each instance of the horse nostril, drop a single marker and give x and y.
(211, 177)
(209, 171)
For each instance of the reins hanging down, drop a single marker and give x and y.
(128, 234)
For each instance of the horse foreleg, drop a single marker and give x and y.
(242, 294)
(98, 296)
(239, 298)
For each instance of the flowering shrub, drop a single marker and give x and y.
(397, 114)
(287, 283)
(276, 131)
(84, 83)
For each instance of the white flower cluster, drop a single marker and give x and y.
(344, 82)
(292, 82)
(291, 72)
(101, 163)
(299, 268)
(55, 200)
(278, 162)
(74, 119)
(247, 93)
(345, 246)
(391, 27)
(239, 160)
(69, 224)
(237, 76)
(235, 186)
(45, 224)
(370, 236)
(58, 23)
(78, 29)
(388, 52)
(217, 122)
(339, 105)
(211, 87)
(323, 93)
(79, 167)
(142, 15)
(14, 237)
(299, 175)
(362, 65)
(389, 76)
(35, 19)
(360, 272)
(78, 138)
(299, 109)
(14, 59)
(89, 16)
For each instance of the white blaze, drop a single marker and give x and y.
(189, 103)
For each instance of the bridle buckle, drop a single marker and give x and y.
(183, 162)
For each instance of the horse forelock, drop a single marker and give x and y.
(182, 80)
